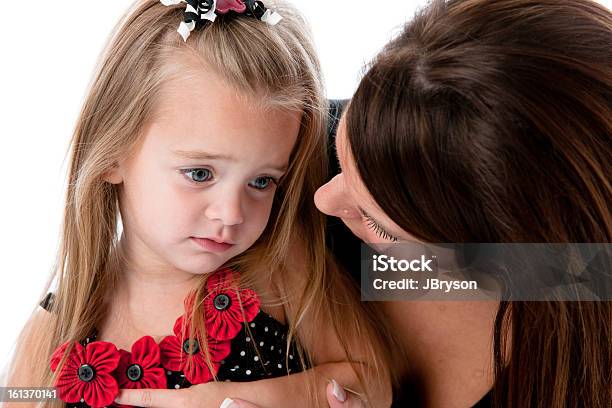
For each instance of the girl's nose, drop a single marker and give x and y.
(226, 208)
(332, 199)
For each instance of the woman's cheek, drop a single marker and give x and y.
(361, 230)
(369, 235)
(357, 228)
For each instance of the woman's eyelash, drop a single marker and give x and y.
(380, 231)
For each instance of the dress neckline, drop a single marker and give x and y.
(232, 316)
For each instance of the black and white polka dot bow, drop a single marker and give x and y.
(198, 11)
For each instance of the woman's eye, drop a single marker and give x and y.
(261, 183)
(198, 175)
(380, 231)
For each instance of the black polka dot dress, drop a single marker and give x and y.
(259, 350)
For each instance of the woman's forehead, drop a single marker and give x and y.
(353, 182)
(354, 185)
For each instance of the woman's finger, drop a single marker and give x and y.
(337, 397)
(157, 398)
(237, 403)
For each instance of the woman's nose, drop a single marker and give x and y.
(227, 208)
(332, 199)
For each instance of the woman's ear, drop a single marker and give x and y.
(114, 175)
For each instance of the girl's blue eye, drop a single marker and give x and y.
(261, 183)
(198, 175)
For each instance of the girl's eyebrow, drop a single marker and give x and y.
(201, 155)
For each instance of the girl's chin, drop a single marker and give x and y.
(203, 264)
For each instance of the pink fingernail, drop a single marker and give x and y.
(338, 391)
(229, 403)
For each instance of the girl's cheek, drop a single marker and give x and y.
(259, 212)
(262, 212)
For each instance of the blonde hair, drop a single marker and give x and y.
(277, 63)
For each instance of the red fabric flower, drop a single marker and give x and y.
(176, 349)
(225, 303)
(224, 6)
(87, 373)
(141, 368)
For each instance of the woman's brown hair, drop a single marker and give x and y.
(490, 121)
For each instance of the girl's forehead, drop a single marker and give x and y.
(197, 95)
(203, 114)
(198, 102)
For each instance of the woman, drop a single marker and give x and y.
(489, 121)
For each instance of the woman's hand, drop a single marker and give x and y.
(206, 395)
(337, 397)
(211, 395)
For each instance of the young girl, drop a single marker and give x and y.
(208, 147)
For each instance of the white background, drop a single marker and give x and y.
(49, 50)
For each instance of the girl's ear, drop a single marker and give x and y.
(114, 175)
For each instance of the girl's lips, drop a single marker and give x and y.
(210, 245)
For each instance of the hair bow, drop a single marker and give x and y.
(198, 11)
